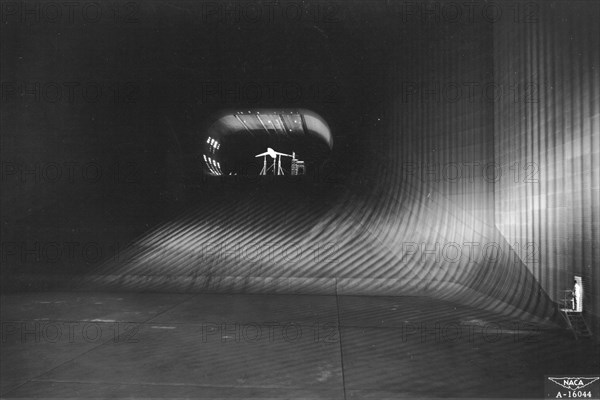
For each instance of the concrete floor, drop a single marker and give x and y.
(239, 346)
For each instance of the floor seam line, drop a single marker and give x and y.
(337, 304)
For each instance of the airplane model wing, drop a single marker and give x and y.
(272, 153)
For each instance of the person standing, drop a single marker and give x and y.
(577, 297)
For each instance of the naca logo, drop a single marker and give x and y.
(583, 387)
(574, 383)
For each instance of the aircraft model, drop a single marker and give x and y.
(276, 156)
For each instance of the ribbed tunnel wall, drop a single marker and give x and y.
(390, 230)
(420, 208)
(439, 122)
(434, 163)
(547, 141)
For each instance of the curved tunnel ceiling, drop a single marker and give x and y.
(236, 137)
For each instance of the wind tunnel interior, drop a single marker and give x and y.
(418, 110)
(236, 142)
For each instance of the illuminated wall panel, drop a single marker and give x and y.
(547, 138)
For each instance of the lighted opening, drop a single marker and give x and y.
(266, 142)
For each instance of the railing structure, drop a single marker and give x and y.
(573, 318)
